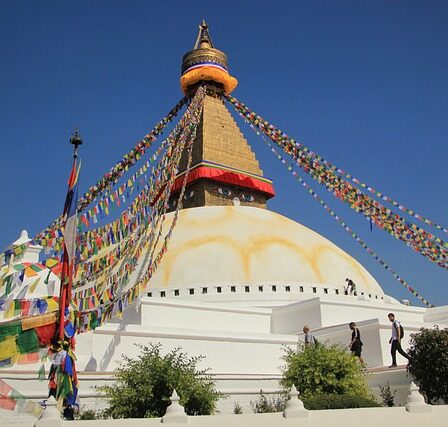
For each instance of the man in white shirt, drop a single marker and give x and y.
(395, 340)
(310, 340)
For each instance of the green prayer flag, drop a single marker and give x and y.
(93, 320)
(17, 307)
(27, 342)
(41, 373)
(7, 283)
(13, 328)
(35, 268)
(15, 395)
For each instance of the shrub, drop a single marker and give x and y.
(429, 362)
(387, 395)
(322, 369)
(88, 414)
(237, 409)
(144, 385)
(264, 404)
(343, 401)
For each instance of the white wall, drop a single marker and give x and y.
(225, 352)
(336, 312)
(366, 417)
(437, 315)
(290, 319)
(195, 315)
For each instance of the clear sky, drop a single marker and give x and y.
(364, 84)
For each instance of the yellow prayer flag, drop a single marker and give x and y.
(36, 321)
(51, 262)
(52, 304)
(29, 272)
(8, 348)
(9, 309)
(34, 409)
(105, 297)
(33, 286)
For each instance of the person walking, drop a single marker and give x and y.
(351, 287)
(395, 340)
(356, 344)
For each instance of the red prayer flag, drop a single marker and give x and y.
(25, 307)
(4, 388)
(46, 333)
(6, 403)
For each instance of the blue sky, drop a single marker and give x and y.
(364, 84)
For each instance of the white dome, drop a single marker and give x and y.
(237, 245)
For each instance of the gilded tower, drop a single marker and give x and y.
(224, 170)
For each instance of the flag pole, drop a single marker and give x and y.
(68, 262)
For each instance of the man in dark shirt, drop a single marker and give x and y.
(356, 344)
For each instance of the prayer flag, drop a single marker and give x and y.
(70, 210)
(34, 285)
(41, 373)
(70, 218)
(4, 388)
(6, 403)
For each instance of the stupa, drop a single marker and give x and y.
(239, 281)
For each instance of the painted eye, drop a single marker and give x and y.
(247, 197)
(189, 195)
(225, 192)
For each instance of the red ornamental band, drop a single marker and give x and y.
(226, 176)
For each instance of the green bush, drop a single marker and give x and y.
(264, 404)
(323, 370)
(428, 363)
(343, 401)
(144, 385)
(88, 414)
(387, 395)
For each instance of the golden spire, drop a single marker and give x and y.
(203, 41)
(205, 63)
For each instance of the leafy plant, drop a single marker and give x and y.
(237, 409)
(144, 385)
(323, 369)
(264, 404)
(88, 414)
(428, 363)
(387, 395)
(343, 401)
